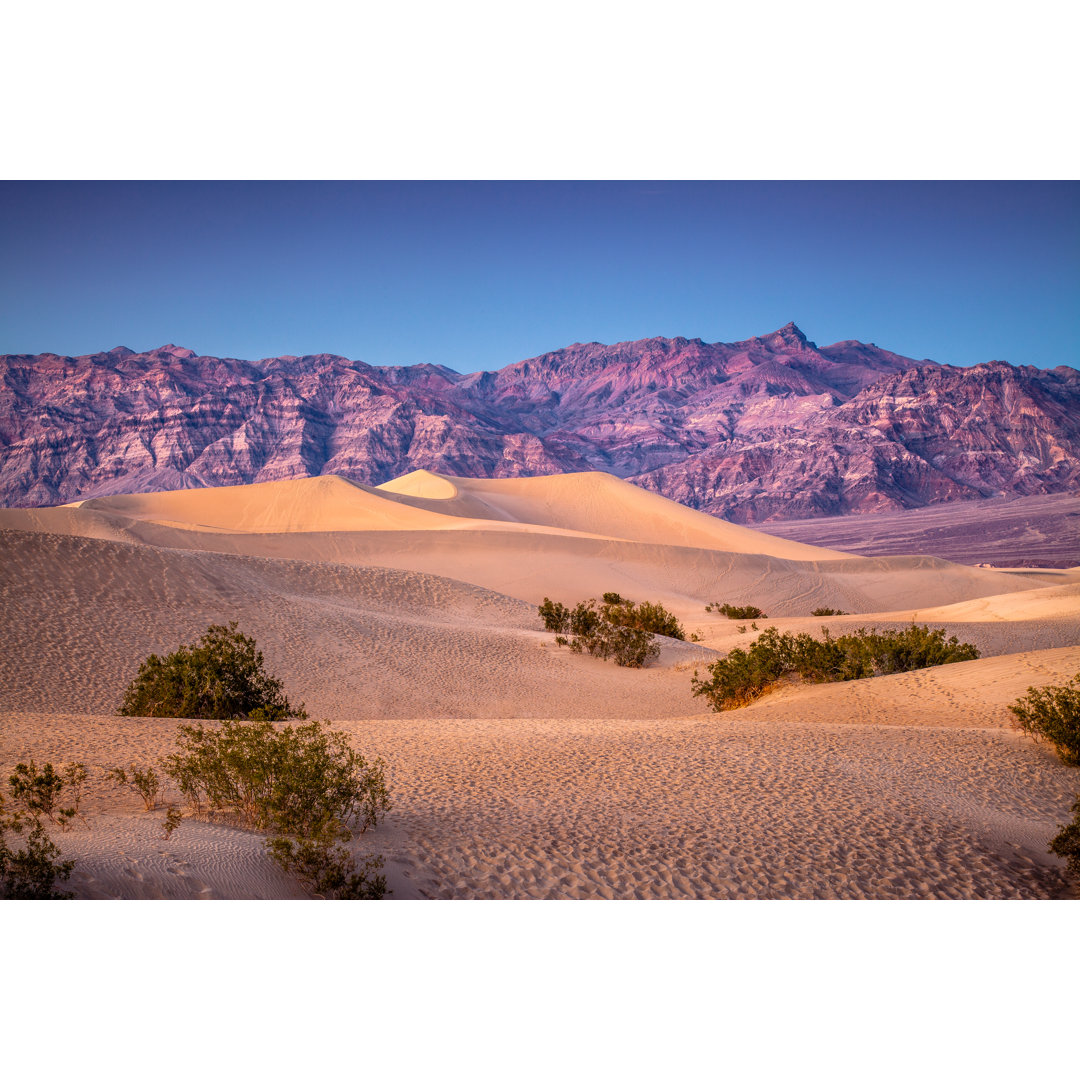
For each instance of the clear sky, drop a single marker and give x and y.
(479, 275)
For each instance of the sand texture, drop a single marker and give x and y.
(405, 615)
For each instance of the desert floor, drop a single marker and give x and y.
(406, 616)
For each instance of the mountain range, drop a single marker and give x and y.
(767, 429)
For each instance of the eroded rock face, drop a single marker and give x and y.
(765, 429)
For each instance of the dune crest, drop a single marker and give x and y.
(592, 504)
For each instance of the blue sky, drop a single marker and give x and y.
(479, 275)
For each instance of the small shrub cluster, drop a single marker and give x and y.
(822, 612)
(1052, 714)
(1066, 845)
(304, 784)
(647, 616)
(616, 629)
(42, 792)
(329, 869)
(146, 782)
(221, 677)
(732, 612)
(745, 674)
(31, 866)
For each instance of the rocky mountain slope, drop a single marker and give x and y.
(765, 429)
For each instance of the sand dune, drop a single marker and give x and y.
(596, 504)
(406, 616)
(582, 504)
(307, 504)
(350, 641)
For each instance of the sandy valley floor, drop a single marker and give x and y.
(406, 616)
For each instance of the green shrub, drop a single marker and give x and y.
(329, 869)
(297, 780)
(821, 612)
(39, 792)
(173, 819)
(556, 616)
(623, 644)
(304, 784)
(1066, 845)
(30, 871)
(745, 674)
(221, 677)
(1052, 713)
(144, 781)
(647, 616)
(747, 612)
(618, 630)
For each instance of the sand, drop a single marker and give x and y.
(405, 615)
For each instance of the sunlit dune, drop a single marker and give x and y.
(596, 504)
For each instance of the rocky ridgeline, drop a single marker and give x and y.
(765, 429)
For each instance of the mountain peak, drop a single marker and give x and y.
(789, 334)
(174, 350)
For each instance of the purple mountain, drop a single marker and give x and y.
(759, 430)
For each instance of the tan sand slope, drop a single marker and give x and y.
(597, 504)
(1054, 602)
(78, 615)
(776, 801)
(567, 536)
(589, 504)
(307, 504)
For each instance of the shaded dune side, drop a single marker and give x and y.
(78, 616)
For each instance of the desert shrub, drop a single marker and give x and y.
(745, 674)
(146, 782)
(220, 677)
(292, 780)
(1052, 713)
(304, 784)
(42, 791)
(890, 651)
(741, 676)
(31, 866)
(31, 870)
(173, 818)
(821, 612)
(1066, 845)
(647, 616)
(610, 631)
(585, 619)
(329, 869)
(732, 612)
(556, 616)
